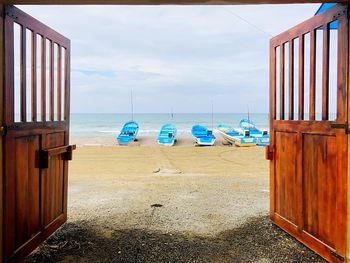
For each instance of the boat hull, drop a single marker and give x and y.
(204, 136)
(205, 142)
(246, 142)
(227, 137)
(171, 143)
(167, 135)
(128, 133)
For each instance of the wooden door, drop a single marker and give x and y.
(308, 152)
(35, 132)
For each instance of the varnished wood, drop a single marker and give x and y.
(23, 74)
(34, 78)
(325, 73)
(2, 66)
(8, 68)
(35, 201)
(273, 116)
(59, 83)
(310, 24)
(282, 81)
(343, 66)
(312, 94)
(308, 172)
(291, 81)
(301, 74)
(163, 2)
(43, 78)
(52, 82)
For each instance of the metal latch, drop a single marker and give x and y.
(3, 130)
(268, 153)
(341, 126)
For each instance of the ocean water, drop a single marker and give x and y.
(109, 124)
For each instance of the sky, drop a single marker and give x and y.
(172, 57)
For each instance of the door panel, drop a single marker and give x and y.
(308, 153)
(36, 152)
(27, 185)
(286, 181)
(319, 186)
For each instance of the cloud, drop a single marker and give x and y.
(171, 56)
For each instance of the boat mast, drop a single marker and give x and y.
(132, 106)
(248, 119)
(212, 115)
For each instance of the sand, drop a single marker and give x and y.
(142, 140)
(152, 203)
(207, 187)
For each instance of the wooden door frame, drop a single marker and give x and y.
(2, 66)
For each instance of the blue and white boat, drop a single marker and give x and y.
(262, 136)
(228, 133)
(246, 140)
(203, 135)
(128, 133)
(167, 135)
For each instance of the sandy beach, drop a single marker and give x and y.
(169, 204)
(142, 140)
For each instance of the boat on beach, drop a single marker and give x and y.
(128, 133)
(167, 135)
(228, 133)
(234, 136)
(203, 135)
(262, 136)
(245, 140)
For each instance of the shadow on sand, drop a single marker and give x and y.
(258, 240)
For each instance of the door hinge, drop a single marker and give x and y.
(341, 126)
(336, 255)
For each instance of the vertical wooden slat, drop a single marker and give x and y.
(34, 80)
(325, 73)
(282, 67)
(342, 95)
(291, 80)
(2, 87)
(59, 82)
(43, 78)
(23, 75)
(342, 70)
(52, 81)
(301, 75)
(67, 85)
(272, 118)
(67, 119)
(9, 70)
(312, 103)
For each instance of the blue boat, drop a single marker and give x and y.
(128, 133)
(228, 133)
(167, 135)
(246, 140)
(203, 135)
(263, 137)
(233, 136)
